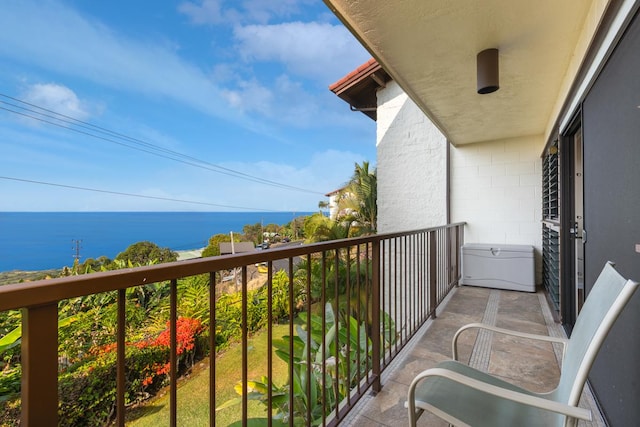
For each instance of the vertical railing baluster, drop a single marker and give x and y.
(403, 287)
(323, 356)
(39, 358)
(367, 302)
(449, 257)
(409, 286)
(460, 229)
(415, 282)
(442, 264)
(383, 249)
(360, 316)
(212, 349)
(291, 394)
(440, 253)
(433, 279)
(438, 257)
(420, 259)
(308, 355)
(410, 297)
(348, 327)
(395, 294)
(173, 354)
(414, 310)
(391, 295)
(270, 342)
(375, 315)
(441, 261)
(336, 293)
(423, 276)
(245, 344)
(456, 269)
(120, 357)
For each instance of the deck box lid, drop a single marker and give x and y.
(498, 247)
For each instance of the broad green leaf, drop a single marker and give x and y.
(229, 403)
(11, 337)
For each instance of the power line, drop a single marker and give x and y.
(150, 148)
(210, 167)
(118, 193)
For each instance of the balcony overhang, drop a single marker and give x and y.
(359, 87)
(429, 48)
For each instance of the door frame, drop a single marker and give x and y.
(571, 296)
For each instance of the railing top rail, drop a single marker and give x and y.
(29, 294)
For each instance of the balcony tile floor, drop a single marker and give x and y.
(531, 365)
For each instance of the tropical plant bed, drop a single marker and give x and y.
(193, 390)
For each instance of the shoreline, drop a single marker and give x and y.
(31, 243)
(17, 276)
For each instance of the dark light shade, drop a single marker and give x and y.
(488, 71)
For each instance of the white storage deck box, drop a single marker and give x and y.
(510, 267)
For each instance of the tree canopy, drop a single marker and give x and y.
(319, 228)
(145, 253)
(213, 249)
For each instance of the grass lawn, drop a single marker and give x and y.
(193, 393)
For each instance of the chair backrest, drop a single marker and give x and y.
(603, 305)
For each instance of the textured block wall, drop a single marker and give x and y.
(496, 188)
(411, 165)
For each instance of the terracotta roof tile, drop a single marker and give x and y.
(359, 72)
(359, 87)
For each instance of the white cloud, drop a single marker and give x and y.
(322, 172)
(205, 12)
(262, 11)
(58, 38)
(58, 98)
(316, 50)
(250, 96)
(250, 11)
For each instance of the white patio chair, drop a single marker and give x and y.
(464, 396)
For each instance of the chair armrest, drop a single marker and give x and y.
(525, 399)
(454, 344)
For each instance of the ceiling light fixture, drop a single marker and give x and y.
(488, 71)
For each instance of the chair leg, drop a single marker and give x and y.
(414, 415)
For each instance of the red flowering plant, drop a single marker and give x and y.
(187, 329)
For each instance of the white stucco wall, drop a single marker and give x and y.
(496, 187)
(333, 205)
(411, 165)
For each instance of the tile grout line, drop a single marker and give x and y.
(359, 409)
(482, 348)
(553, 329)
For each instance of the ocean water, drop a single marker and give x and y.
(46, 240)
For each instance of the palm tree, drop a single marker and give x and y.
(322, 204)
(319, 228)
(357, 202)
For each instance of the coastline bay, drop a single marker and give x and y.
(33, 241)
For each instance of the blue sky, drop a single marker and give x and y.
(237, 85)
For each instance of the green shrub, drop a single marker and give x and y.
(88, 389)
(334, 384)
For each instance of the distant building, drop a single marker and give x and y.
(333, 202)
(238, 247)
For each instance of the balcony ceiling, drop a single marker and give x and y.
(429, 47)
